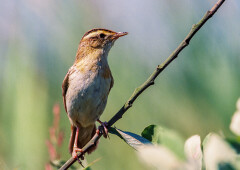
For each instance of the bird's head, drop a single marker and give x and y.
(100, 39)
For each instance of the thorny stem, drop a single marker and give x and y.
(149, 81)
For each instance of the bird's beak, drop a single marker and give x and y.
(118, 34)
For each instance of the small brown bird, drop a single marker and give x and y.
(86, 86)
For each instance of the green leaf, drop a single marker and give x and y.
(225, 166)
(235, 144)
(87, 168)
(165, 137)
(131, 139)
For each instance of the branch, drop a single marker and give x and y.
(149, 81)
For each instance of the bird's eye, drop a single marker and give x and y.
(102, 35)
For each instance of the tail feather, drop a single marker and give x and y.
(84, 136)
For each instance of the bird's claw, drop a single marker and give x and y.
(104, 130)
(75, 155)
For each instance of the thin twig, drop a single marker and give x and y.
(149, 81)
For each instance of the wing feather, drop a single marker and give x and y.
(112, 82)
(64, 89)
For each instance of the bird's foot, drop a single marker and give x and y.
(104, 130)
(75, 155)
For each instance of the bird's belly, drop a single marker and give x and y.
(86, 98)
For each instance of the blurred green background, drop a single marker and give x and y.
(196, 94)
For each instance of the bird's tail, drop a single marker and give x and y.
(84, 136)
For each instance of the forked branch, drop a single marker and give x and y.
(149, 81)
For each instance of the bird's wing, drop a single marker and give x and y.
(64, 89)
(112, 82)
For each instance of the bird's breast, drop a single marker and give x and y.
(87, 93)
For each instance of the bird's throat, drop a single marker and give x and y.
(91, 54)
(91, 60)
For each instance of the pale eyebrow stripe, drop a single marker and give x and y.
(91, 35)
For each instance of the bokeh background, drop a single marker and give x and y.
(196, 94)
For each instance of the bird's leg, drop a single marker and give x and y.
(105, 131)
(76, 149)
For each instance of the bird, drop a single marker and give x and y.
(86, 86)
